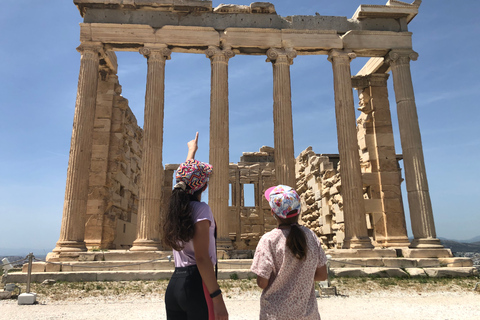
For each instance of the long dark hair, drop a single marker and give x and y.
(178, 226)
(296, 240)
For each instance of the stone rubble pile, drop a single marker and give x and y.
(319, 186)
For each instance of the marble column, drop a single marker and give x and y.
(377, 142)
(148, 224)
(282, 115)
(356, 234)
(219, 142)
(421, 213)
(72, 230)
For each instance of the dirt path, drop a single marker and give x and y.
(372, 306)
(358, 299)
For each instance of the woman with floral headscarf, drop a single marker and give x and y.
(288, 260)
(189, 228)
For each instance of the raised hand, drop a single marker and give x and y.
(192, 147)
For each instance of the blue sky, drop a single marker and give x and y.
(39, 72)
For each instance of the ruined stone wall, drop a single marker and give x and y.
(381, 171)
(247, 224)
(115, 170)
(319, 186)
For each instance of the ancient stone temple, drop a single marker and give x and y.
(117, 182)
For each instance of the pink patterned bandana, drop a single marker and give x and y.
(194, 173)
(282, 200)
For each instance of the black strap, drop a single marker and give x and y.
(215, 236)
(216, 293)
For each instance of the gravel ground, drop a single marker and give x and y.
(360, 300)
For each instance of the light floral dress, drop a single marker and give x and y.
(290, 293)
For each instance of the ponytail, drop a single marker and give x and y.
(296, 240)
(178, 225)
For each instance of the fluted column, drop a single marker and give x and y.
(219, 142)
(72, 231)
(356, 234)
(282, 115)
(148, 223)
(421, 213)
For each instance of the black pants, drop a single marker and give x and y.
(185, 298)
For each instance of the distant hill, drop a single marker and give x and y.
(23, 251)
(456, 246)
(473, 240)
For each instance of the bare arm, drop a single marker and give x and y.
(262, 282)
(192, 148)
(205, 266)
(321, 274)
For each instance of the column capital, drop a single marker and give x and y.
(371, 80)
(215, 53)
(399, 57)
(281, 55)
(156, 52)
(336, 54)
(91, 48)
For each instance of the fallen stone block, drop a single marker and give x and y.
(48, 282)
(450, 272)
(368, 272)
(5, 294)
(328, 291)
(416, 272)
(456, 262)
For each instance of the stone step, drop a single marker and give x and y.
(368, 272)
(400, 262)
(18, 277)
(427, 253)
(76, 266)
(125, 255)
(39, 277)
(408, 272)
(165, 264)
(114, 255)
(362, 253)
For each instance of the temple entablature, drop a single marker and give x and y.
(190, 26)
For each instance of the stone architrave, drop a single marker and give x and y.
(282, 115)
(356, 234)
(72, 230)
(148, 225)
(219, 142)
(389, 225)
(421, 213)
